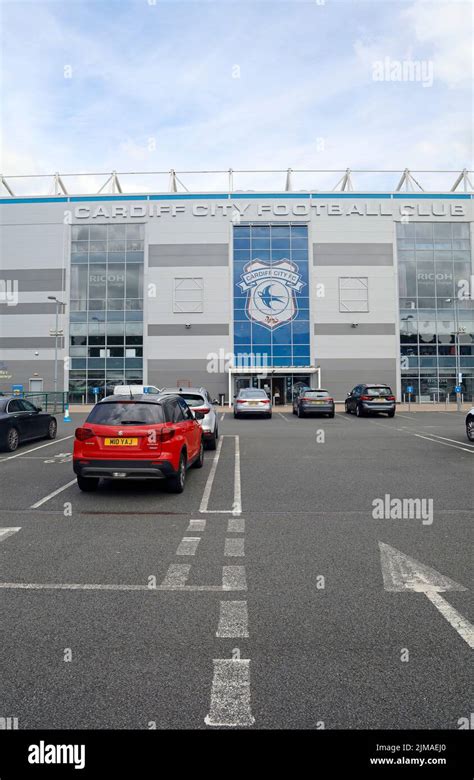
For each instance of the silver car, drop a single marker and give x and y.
(251, 401)
(199, 400)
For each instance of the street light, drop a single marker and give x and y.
(56, 333)
(457, 333)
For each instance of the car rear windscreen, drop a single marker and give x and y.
(126, 413)
(315, 394)
(378, 391)
(193, 400)
(253, 394)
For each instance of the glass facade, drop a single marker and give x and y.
(271, 295)
(436, 326)
(106, 309)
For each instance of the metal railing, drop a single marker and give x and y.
(233, 180)
(49, 401)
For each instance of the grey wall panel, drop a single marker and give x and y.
(35, 279)
(340, 376)
(29, 342)
(182, 255)
(169, 373)
(22, 370)
(353, 254)
(28, 308)
(363, 328)
(219, 329)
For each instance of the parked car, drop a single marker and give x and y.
(144, 437)
(199, 400)
(470, 424)
(311, 401)
(20, 421)
(366, 399)
(252, 401)
(135, 389)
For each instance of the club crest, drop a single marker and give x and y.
(271, 288)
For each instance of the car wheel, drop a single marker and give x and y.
(299, 413)
(269, 416)
(13, 440)
(359, 412)
(348, 411)
(391, 414)
(235, 415)
(212, 442)
(199, 462)
(470, 429)
(87, 484)
(52, 429)
(175, 484)
(294, 410)
(331, 415)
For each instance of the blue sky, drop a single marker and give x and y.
(153, 85)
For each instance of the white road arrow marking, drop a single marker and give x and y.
(402, 573)
(5, 532)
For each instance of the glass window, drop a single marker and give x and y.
(126, 413)
(115, 280)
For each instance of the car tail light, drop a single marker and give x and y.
(241, 400)
(330, 400)
(84, 433)
(390, 398)
(203, 409)
(366, 398)
(265, 401)
(167, 434)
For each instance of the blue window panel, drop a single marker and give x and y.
(98, 315)
(301, 349)
(280, 254)
(99, 362)
(299, 243)
(132, 362)
(282, 362)
(302, 301)
(134, 257)
(115, 316)
(299, 230)
(242, 356)
(241, 255)
(241, 231)
(299, 256)
(281, 350)
(260, 243)
(282, 335)
(117, 257)
(78, 316)
(280, 231)
(115, 363)
(79, 259)
(260, 335)
(301, 360)
(78, 363)
(281, 243)
(135, 316)
(260, 231)
(239, 307)
(466, 362)
(300, 331)
(97, 257)
(241, 243)
(303, 314)
(261, 254)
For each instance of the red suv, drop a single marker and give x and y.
(138, 437)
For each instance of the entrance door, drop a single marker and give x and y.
(36, 385)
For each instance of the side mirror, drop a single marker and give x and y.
(199, 415)
(348, 394)
(215, 401)
(234, 396)
(39, 408)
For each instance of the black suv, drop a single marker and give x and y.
(364, 399)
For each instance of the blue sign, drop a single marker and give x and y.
(410, 389)
(17, 389)
(146, 389)
(271, 296)
(458, 389)
(96, 390)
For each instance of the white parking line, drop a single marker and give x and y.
(236, 525)
(188, 545)
(435, 441)
(222, 416)
(233, 619)
(51, 495)
(233, 578)
(197, 525)
(210, 479)
(176, 576)
(230, 695)
(114, 587)
(6, 532)
(237, 486)
(455, 441)
(283, 417)
(234, 547)
(26, 452)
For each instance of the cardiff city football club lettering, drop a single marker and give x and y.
(271, 288)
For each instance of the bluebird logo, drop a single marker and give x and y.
(271, 292)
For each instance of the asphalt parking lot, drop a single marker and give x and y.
(265, 596)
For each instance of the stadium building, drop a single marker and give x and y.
(235, 288)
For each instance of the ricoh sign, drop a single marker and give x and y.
(240, 209)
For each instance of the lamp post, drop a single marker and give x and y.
(456, 348)
(56, 333)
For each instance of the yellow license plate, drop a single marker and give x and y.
(120, 441)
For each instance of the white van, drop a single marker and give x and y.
(135, 389)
